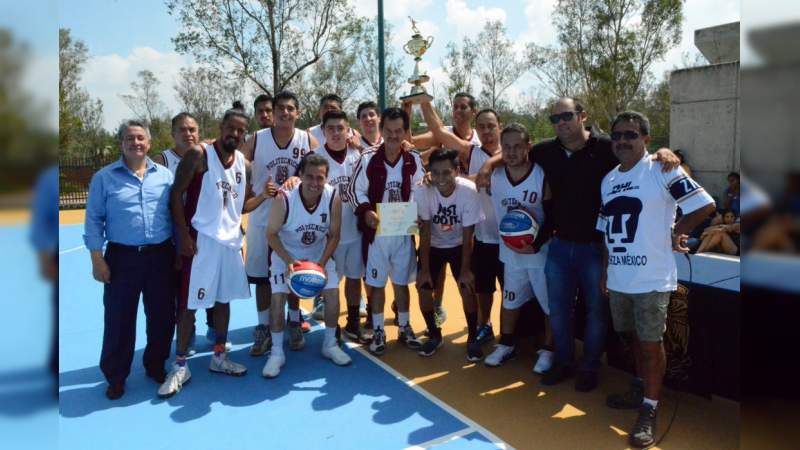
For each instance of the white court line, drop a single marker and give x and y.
(441, 440)
(70, 250)
(472, 425)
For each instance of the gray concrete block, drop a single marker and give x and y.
(706, 131)
(715, 82)
(719, 44)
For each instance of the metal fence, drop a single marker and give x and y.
(75, 173)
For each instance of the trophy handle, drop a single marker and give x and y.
(429, 42)
(405, 49)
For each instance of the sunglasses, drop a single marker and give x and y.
(628, 135)
(565, 116)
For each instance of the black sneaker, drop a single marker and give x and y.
(644, 430)
(474, 351)
(557, 374)
(631, 399)
(354, 334)
(586, 381)
(431, 345)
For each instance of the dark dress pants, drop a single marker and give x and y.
(148, 272)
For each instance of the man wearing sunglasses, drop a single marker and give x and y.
(639, 202)
(575, 162)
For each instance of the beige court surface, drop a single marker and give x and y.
(510, 402)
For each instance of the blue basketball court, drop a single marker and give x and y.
(312, 404)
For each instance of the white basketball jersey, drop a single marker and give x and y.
(525, 194)
(221, 199)
(305, 231)
(637, 215)
(339, 175)
(278, 162)
(449, 215)
(171, 160)
(486, 230)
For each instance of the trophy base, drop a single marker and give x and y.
(416, 98)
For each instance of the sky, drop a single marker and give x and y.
(125, 37)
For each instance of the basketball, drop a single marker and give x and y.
(307, 279)
(518, 228)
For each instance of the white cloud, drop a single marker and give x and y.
(539, 16)
(468, 22)
(108, 76)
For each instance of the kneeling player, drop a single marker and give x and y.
(304, 226)
(449, 209)
(521, 185)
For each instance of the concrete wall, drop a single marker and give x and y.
(704, 121)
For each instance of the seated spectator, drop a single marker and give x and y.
(721, 238)
(730, 198)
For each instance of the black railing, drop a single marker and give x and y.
(75, 173)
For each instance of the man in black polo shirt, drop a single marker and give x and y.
(575, 162)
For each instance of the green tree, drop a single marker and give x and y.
(367, 62)
(269, 42)
(79, 116)
(145, 101)
(611, 45)
(459, 65)
(206, 93)
(498, 66)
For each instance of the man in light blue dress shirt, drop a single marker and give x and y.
(128, 208)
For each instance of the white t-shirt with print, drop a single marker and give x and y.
(448, 215)
(637, 215)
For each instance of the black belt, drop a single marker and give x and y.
(141, 248)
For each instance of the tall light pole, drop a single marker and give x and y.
(381, 62)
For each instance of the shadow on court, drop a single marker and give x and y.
(308, 384)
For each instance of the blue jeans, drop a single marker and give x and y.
(573, 265)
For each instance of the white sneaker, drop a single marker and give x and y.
(501, 354)
(544, 363)
(336, 354)
(273, 366)
(222, 364)
(178, 376)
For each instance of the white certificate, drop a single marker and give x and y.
(397, 219)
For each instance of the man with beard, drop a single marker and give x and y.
(207, 200)
(186, 134)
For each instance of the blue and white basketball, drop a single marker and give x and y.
(307, 279)
(518, 228)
